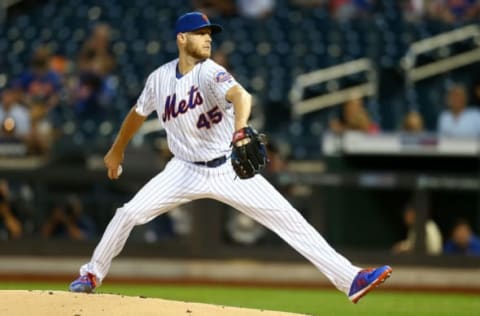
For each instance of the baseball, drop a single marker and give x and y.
(119, 170)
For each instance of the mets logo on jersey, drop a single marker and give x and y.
(222, 76)
(173, 109)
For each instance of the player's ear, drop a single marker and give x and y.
(181, 37)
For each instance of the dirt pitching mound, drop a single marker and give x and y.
(51, 303)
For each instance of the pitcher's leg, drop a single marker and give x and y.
(260, 200)
(162, 193)
(112, 242)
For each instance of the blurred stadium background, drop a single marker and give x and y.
(311, 66)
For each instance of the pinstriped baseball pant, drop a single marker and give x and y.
(181, 182)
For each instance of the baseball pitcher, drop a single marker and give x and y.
(204, 112)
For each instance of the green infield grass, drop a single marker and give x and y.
(304, 301)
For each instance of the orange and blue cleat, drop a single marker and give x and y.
(84, 284)
(366, 280)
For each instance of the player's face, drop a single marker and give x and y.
(199, 43)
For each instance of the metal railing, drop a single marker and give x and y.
(303, 106)
(415, 73)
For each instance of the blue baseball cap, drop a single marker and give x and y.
(193, 21)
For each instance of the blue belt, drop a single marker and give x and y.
(212, 163)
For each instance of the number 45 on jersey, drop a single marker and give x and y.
(213, 116)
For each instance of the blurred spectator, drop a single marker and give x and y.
(40, 85)
(415, 10)
(344, 10)
(455, 11)
(65, 69)
(41, 88)
(462, 240)
(354, 117)
(243, 230)
(458, 120)
(95, 87)
(158, 229)
(68, 220)
(24, 205)
(412, 122)
(14, 117)
(96, 55)
(215, 7)
(182, 220)
(89, 100)
(10, 226)
(60, 64)
(255, 9)
(176, 223)
(433, 237)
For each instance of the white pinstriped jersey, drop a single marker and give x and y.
(192, 108)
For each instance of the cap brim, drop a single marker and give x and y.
(216, 28)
